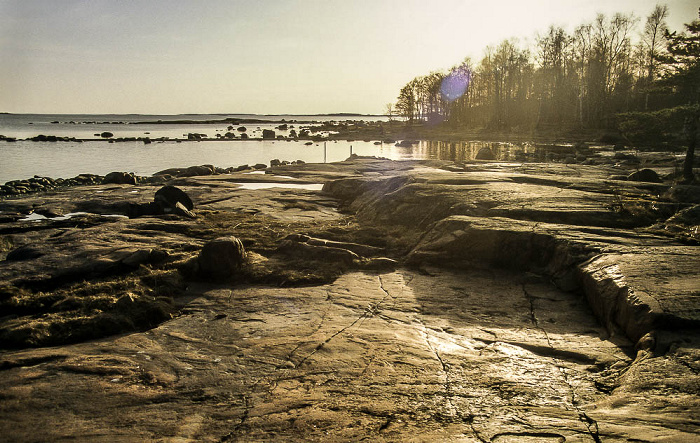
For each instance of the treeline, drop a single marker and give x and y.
(583, 79)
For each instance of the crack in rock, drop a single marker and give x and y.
(590, 423)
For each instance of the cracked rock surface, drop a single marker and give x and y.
(499, 303)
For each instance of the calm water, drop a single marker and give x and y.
(23, 159)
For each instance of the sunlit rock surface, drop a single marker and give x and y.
(492, 303)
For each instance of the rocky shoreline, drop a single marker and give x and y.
(435, 300)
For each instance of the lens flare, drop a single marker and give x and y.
(455, 84)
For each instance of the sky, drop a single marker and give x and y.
(259, 56)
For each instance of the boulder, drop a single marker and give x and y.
(275, 162)
(268, 134)
(645, 175)
(119, 178)
(259, 166)
(242, 129)
(197, 170)
(485, 154)
(221, 258)
(170, 196)
(244, 136)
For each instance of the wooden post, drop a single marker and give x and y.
(324, 152)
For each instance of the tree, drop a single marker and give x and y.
(406, 102)
(389, 109)
(652, 45)
(683, 62)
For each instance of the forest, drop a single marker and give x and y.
(620, 72)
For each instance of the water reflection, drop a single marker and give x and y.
(464, 151)
(23, 159)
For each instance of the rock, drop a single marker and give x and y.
(645, 175)
(106, 134)
(144, 256)
(170, 196)
(244, 136)
(485, 154)
(688, 216)
(221, 258)
(406, 143)
(275, 162)
(181, 210)
(319, 253)
(197, 170)
(268, 134)
(684, 193)
(259, 166)
(120, 178)
(242, 129)
(24, 253)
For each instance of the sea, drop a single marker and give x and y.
(24, 158)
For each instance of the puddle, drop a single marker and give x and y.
(34, 217)
(271, 175)
(307, 186)
(37, 217)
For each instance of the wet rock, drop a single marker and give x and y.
(645, 175)
(221, 258)
(406, 143)
(121, 178)
(485, 154)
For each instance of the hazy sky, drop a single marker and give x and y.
(257, 56)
